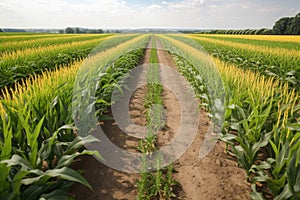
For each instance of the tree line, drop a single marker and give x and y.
(287, 26)
(70, 30)
(283, 26)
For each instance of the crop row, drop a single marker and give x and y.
(37, 133)
(20, 64)
(12, 46)
(260, 123)
(286, 42)
(158, 184)
(273, 38)
(9, 37)
(281, 63)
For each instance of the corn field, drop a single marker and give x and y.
(260, 78)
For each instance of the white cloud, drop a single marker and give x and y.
(122, 14)
(43, 13)
(154, 6)
(185, 4)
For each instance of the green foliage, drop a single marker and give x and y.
(160, 183)
(19, 65)
(283, 26)
(285, 68)
(157, 185)
(14, 45)
(29, 164)
(69, 30)
(250, 124)
(36, 146)
(112, 75)
(257, 122)
(263, 31)
(77, 30)
(287, 26)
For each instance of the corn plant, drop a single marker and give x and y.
(13, 46)
(262, 115)
(94, 81)
(29, 164)
(286, 42)
(22, 63)
(160, 183)
(260, 56)
(37, 147)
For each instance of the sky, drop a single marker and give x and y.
(202, 14)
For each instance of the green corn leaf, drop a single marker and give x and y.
(293, 127)
(275, 185)
(28, 181)
(68, 174)
(34, 144)
(274, 147)
(66, 160)
(227, 137)
(80, 142)
(56, 195)
(18, 160)
(5, 154)
(285, 194)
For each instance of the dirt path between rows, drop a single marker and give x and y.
(214, 177)
(109, 183)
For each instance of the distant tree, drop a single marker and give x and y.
(92, 31)
(252, 32)
(240, 32)
(287, 26)
(220, 32)
(69, 30)
(259, 31)
(61, 31)
(232, 31)
(245, 31)
(1, 30)
(281, 26)
(267, 32)
(100, 31)
(77, 30)
(294, 25)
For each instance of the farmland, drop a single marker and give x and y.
(55, 88)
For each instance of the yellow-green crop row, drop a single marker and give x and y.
(264, 113)
(261, 116)
(274, 38)
(48, 41)
(46, 83)
(42, 86)
(264, 57)
(21, 63)
(36, 129)
(26, 35)
(253, 40)
(13, 57)
(278, 52)
(250, 83)
(160, 183)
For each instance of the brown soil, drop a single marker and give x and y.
(214, 177)
(108, 183)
